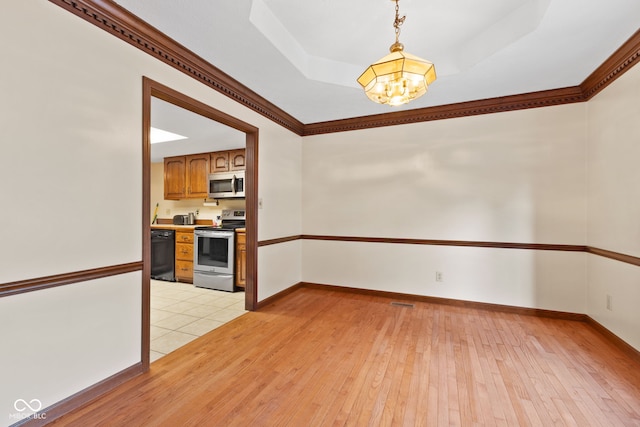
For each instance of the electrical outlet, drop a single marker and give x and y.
(167, 212)
(439, 276)
(609, 303)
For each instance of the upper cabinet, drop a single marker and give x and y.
(175, 182)
(186, 177)
(237, 160)
(220, 161)
(226, 161)
(197, 171)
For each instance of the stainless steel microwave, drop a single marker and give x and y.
(225, 185)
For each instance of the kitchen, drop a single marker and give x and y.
(198, 235)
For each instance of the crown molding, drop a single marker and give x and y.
(123, 24)
(471, 108)
(114, 19)
(620, 61)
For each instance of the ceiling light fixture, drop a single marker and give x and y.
(158, 135)
(398, 77)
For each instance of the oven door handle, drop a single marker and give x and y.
(222, 234)
(212, 273)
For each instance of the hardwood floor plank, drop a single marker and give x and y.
(318, 387)
(415, 379)
(354, 354)
(326, 358)
(411, 353)
(391, 368)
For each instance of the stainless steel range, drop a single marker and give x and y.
(214, 252)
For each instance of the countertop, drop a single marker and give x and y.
(174, 227)
(185, 227)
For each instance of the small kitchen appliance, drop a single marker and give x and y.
(180, 219)
(188, 219)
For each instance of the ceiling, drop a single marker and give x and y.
(203, 134)
(305, 57)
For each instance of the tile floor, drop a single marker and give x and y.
(180, 313)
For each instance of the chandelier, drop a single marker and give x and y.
(399, 77)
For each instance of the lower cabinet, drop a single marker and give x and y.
(241, 259)
(184, 256)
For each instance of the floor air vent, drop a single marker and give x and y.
(402, 304)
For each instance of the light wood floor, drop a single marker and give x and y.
(319, 357)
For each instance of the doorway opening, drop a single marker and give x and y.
(158, 98)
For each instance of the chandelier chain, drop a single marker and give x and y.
(398, 22)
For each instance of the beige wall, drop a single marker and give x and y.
(614, 205)
(511, 177)
(61, 340)
(71, 116)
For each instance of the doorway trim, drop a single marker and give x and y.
(151, 88)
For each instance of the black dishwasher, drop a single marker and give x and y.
(163, 247)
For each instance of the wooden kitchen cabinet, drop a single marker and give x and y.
(226, 161)
(184, 256)
(175, 176)
(241, 259)
(185, 177)
(237, 160)
(197, 172)
(219, 161)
